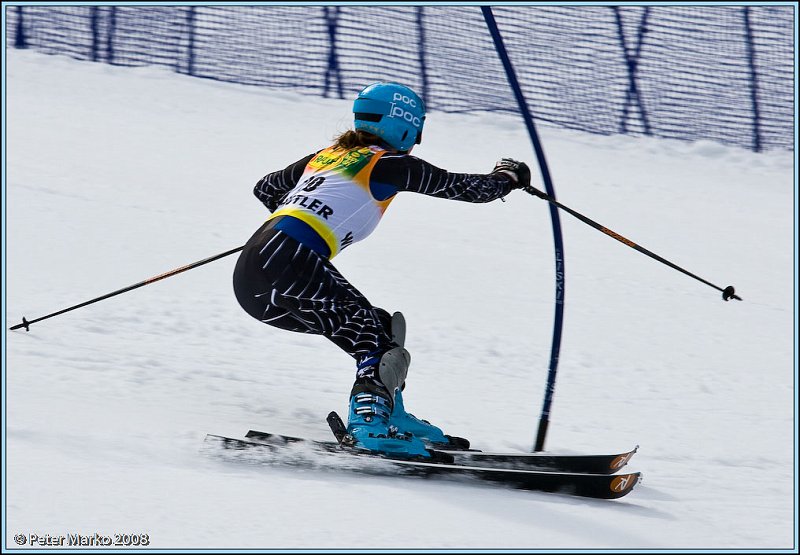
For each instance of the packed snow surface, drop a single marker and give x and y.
(115, 175)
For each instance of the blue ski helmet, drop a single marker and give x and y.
(392, 112)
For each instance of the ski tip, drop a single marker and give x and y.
(621, 460)
(623, 484)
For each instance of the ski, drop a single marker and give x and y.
(591, 464)
(292, 451)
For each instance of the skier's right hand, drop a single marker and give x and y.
(519, 172)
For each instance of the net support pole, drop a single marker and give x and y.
(544, 419)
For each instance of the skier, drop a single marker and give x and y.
(320, 205)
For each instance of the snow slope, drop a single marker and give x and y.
(115, 175)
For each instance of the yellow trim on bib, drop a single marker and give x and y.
(314, 223)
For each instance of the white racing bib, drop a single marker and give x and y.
(333, 196)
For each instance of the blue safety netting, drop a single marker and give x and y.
(717, 72)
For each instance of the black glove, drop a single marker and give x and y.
(519, 172)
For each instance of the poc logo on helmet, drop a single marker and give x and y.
(396, 111)
(397, 97)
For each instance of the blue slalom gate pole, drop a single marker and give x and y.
(544, 419)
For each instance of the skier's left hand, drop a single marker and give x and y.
(519, 172)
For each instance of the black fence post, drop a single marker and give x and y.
(751, 61)
(632, 61)
(190, 19)
(333, 71)
(20, 40)
(423, 68)
(94, 25)
(111, 29)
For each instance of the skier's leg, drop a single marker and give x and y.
(254, 286)
(280, 282)
(284, 284)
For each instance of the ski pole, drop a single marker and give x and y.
(727, 293)
(26, 323)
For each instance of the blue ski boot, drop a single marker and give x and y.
(422, 429)
(371, 404)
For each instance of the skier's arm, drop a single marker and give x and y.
(408, 173)
(271, 188)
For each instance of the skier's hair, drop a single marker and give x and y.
(355, 139)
